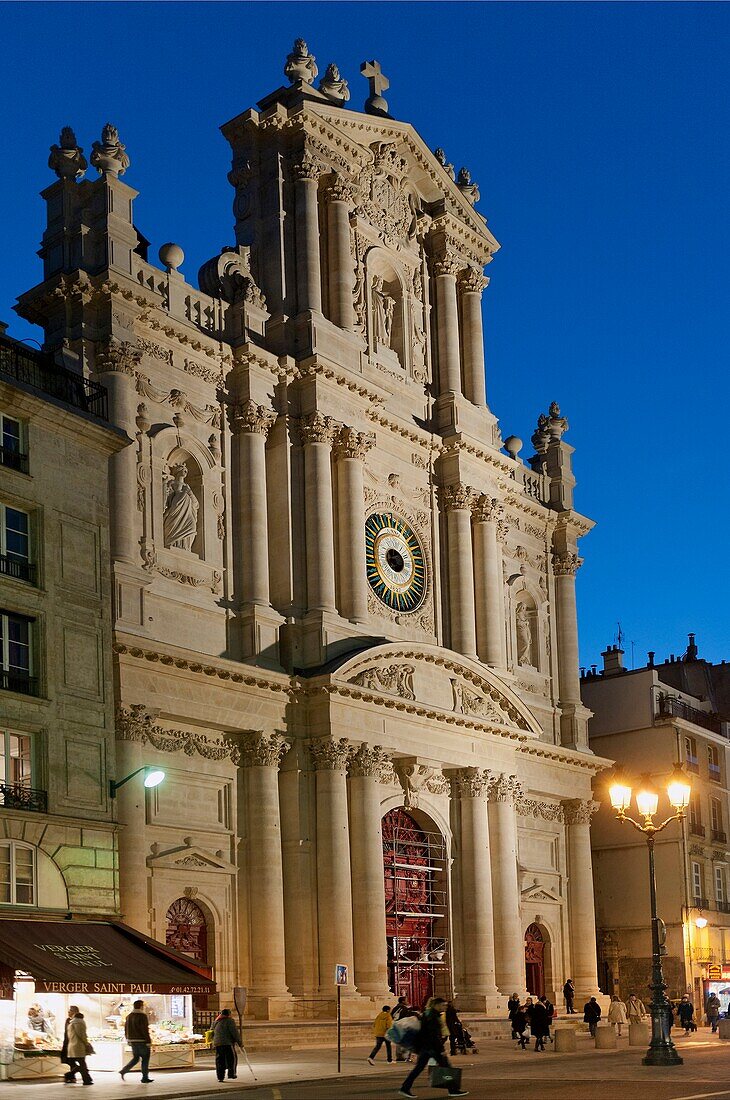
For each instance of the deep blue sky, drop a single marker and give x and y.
(600, 137)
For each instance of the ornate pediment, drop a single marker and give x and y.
(538, 892)
(189, 857)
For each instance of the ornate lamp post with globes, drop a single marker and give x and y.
(662, 1051)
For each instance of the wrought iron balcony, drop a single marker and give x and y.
(719, 836)
(18, 568)
(16, 681)
(669, 706)
(39, 370)
(14, 797)
(723, 906)
(16, 460)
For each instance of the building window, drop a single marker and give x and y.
(16, 667)
(690, 754)
(15, 544)
(720, 896)
(697, 883)
(17, 873)
(15, 759)
(713, 762)
(695, 817)
(716, 820)
(12, 452)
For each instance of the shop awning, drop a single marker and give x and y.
(97, 957)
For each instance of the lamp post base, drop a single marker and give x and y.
(662, 1056)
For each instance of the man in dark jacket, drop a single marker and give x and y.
(400, 1012)
(513, 1005)
(685, 1012)
(430, 1045)
(225, 1037)
(137, 1034)
(592, 1014)
(539, 1024)
(569, 994)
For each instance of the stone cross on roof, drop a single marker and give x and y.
(375, 104)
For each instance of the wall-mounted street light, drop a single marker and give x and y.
(701, 922)
(152, 778)
(662, 1051)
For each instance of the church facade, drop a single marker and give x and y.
(344, 611)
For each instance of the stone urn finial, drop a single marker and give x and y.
(333, 86)
(67, 158)
(301, 64)
(441, 158)
(468, 188)
(108, 156)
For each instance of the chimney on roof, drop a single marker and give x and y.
(613, 661)
(650, 659)
(691, 652)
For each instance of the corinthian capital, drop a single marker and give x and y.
(342, 190)
(264, 750)
(579, 811)
(455, 497)
(308, 166)
(119, 356)
(566, 564)
(471, 782)
(318, 428)
(447, 265)
(485, 509)
(350, 443)
(247, 416)
(330, 755)
(471, 281)
(506, 788)
(368, 760)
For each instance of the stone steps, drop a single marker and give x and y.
(260, 1035)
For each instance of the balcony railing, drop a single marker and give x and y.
(14, 797)
(16, 460)
(714, 772)
(700, 903)
(17, 568)
(723, 906)
(36, 369)
(16, 681)
(696, 829)
(720, 836)
(692, 764)
(669, 706)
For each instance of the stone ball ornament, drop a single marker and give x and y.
(513, 446)
(395, 562)
(171, 256)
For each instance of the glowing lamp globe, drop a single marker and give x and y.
(619, 791)
(154, 777)
(701, 922)
(647, 798)
(679, 788)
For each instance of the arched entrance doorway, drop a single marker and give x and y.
(416, 915)
(535, 960)
(187, 932)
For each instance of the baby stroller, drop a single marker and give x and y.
(463, 1041)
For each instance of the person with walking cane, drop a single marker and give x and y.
(225, 1037)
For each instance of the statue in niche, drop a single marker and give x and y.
(524, 636)
(180, 518)
(383, 307)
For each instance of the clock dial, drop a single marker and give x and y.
(395, 562)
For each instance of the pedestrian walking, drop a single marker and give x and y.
(635, 1009)
(512, 1005)
(539, 1024)
(569, 995)
(712, 1011)
(457, 1042)
(78, 1049)
(592, 1014)
(519, 1027)
(617, 1014)
(550, 1009)
(225, 1037)
(401, 1010)
(685, 1012)
(382, 1022)
(137, 1034)
(430, 1045)
(65, 1060)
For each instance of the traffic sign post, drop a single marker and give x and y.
(340, 980)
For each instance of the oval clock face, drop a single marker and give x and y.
(395, 562)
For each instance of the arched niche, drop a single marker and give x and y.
(526, 625)
(171, 449)
(387, 310)
(183, 503)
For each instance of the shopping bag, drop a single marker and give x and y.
(446, 1077)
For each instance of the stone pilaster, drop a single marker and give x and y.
(341, 263)
(581, 911)
(250, 424)
(116, 366)
(470, 786)
(457, 503)
(488, 581)
(366, 853)
(445, 271)
(334, 887)
(349, 451)
(471, 285)
(573, 717)
(261, 756)
(508, 933)
(317, 434)
(307, 172)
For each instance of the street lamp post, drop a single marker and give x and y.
(152, 778)
(662, 1051)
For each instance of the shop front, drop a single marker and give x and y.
(717, 980)
(102, 968)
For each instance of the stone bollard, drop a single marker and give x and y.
(606, 1038)
(565, 1040)
(724, 1029)
(639, 1035)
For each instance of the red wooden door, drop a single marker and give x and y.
(534, 961)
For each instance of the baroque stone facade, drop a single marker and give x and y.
(343, 613)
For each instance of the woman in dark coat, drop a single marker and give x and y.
(519, 1026)
(539, 1024)
(512, 1005)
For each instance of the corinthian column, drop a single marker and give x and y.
(334, 889)
(117, 366)
(250, 424)
(261, 757)
(317, 433)
(349, 451)
(341, 269)
(366, 852)
(447, 325)
(508, 933)
(471, 285)
(488, 581)
(307, 172)
(470, 786)
(457, 502)
(573, 727)
(581, 910)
